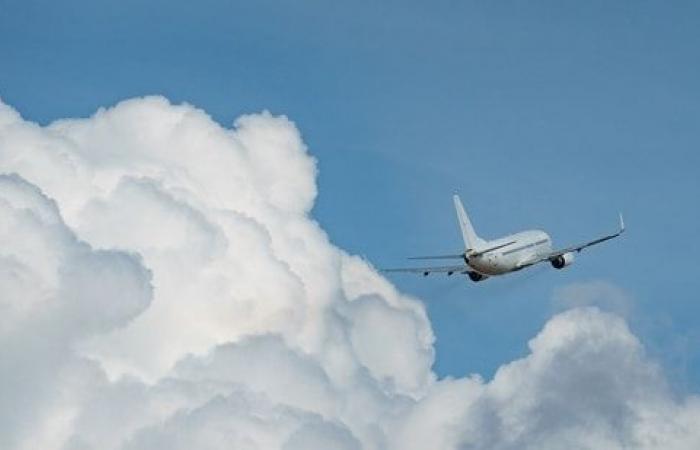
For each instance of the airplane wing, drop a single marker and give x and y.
(449, 270)
(574, 248)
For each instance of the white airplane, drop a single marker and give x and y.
(483, 259)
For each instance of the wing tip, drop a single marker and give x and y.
(622, 222)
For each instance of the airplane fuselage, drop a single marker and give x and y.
(517, 248)
(483, 259)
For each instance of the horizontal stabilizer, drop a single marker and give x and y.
(460, 256)
(449, 270)
(490, 249)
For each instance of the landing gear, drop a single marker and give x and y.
(475, 276)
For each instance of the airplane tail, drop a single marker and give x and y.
(471, 240)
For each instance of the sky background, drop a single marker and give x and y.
(544, 114)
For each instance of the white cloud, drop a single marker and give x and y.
(55, 291)
(602, 294)
(586, 384)
(163, 286)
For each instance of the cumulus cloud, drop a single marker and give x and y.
(163, 285)
(56, 291)
(602, 294)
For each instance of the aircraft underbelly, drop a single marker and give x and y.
(492, 266)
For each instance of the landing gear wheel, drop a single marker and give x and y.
(475, 276)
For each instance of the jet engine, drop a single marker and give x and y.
(562, 261)
(476, 276)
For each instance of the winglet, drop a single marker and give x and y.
(622, 223)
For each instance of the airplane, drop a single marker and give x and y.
(483, 259)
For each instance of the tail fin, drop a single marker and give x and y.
(471, 240)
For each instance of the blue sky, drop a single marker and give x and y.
(541, 114)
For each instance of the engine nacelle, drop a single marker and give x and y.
(476, 276)
(562, 261)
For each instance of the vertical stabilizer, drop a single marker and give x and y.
(471, 240)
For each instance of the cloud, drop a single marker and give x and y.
(586, 383)
(56, 291)
(602, 294)
(164, 286)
